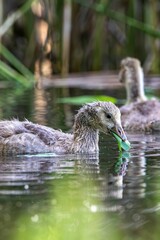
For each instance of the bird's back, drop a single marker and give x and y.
(26, 137)
(139, 116)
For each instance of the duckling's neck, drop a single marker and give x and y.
(85, 136)
(135, 86)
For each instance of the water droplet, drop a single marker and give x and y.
(35, 218)
(93, 208)
(26, 186)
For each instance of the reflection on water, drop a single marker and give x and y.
(82, 196)
(120, 186)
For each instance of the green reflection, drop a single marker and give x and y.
(71, 213)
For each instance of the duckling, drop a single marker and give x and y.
(24, 137)
(139, 113)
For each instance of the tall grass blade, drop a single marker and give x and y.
(7, 71)
(101, 9)
(16, 63)
(15, 16)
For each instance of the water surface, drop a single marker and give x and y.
(46, 196)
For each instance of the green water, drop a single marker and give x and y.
(109, 196)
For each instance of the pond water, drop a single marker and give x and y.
(110, 196)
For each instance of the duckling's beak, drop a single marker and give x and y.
(118, 130)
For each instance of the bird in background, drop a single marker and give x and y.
(139, 113)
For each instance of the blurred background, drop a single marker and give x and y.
(50, 37)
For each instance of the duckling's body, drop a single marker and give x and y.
(139, 114)
(26, 137)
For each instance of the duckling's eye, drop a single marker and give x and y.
(108, 116)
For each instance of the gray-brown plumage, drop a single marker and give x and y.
(139, 114)
(26, 137)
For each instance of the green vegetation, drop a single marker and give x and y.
(121, 144)
(10, 66)
(86, 99)
(20, 73)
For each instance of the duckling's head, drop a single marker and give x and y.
(131, 74)
(102, 116)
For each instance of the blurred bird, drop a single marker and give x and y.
(139, 113)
